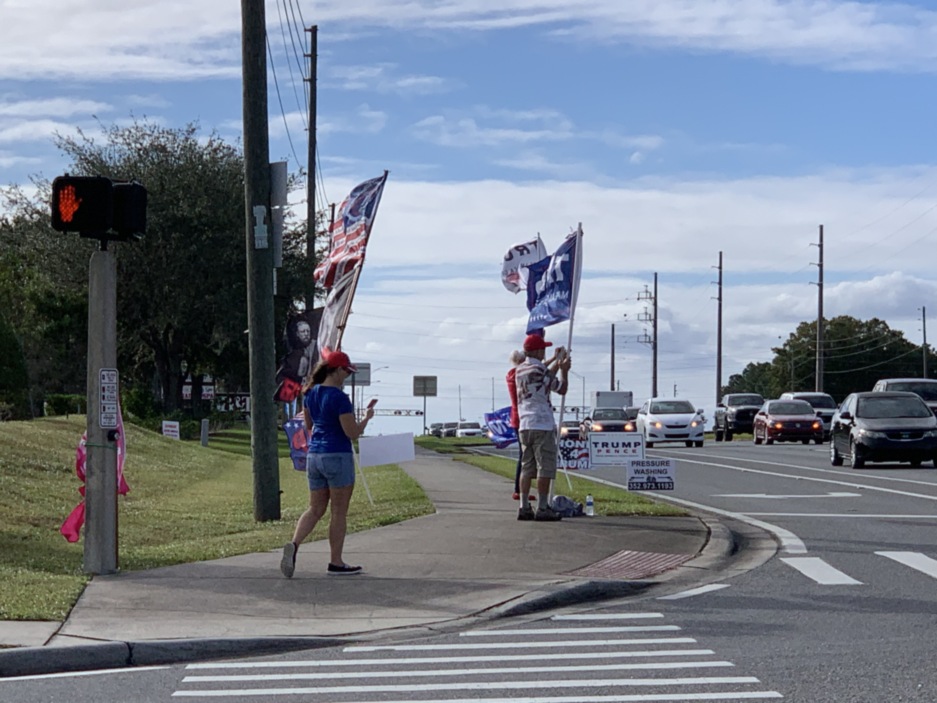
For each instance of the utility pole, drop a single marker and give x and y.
(265, 460)
(311, 169)
(819, 374)
(652, 340)
(719, 334)
(611, 381)
(924, 329)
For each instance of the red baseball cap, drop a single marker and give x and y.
(340, 360)
(535, 342)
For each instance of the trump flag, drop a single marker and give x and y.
(552, 284)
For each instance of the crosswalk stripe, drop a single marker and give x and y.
(608, 616)
(915, 560)
(517, 645)
(482, 686)
(569, 631)
(695, 591)
(818, 570)
(646, 666)
(401, 661)
(686, 697)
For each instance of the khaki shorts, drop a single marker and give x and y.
(538, 453)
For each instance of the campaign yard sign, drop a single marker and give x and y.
(574, 454)
(614, 448)
(651, 474)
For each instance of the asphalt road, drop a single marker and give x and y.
(843, 613)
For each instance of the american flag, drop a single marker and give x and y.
(349, 233)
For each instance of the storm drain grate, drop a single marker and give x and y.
(632, 565)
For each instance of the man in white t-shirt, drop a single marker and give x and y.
(535, 381)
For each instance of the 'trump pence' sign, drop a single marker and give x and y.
(614, 448)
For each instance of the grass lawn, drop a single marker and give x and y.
(608, 499)
(186, 503)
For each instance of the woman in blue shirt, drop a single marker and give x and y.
(330, 464)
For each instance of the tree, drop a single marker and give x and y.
(755, 378)
(856, 354)
(182, 288)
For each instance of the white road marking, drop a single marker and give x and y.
(784, 497)
(608, 616)
(569, 631)
(68, 674)
(861, 515)
(647, 666)
(695, 591)
(476, 686)
(918, 562)
(538, 656)
(517, 645)
(639, 698)
(818, 570)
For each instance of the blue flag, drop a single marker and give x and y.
(550, 286)
(500, 431)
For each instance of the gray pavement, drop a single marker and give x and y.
(470, 560)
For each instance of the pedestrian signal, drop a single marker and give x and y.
(82, 204)
(98, 207)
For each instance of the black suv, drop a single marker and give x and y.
(736, 413)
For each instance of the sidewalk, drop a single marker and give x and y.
(470, 559)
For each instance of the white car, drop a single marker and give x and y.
(670, 420)
(469, 429)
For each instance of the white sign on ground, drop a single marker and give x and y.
(651, 474)
(171, 429)
(386, 449)
(614, 448)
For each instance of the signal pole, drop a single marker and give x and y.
(260, 270)
(611, 382)
(924, 330)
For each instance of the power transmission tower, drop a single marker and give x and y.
(652, 340)
(819, 265)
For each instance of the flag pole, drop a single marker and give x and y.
(569, 343)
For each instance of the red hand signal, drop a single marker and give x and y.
(68, 203)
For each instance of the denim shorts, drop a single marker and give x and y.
(330, 470)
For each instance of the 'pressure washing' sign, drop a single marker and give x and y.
(651, 475)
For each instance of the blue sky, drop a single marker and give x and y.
(672, 130)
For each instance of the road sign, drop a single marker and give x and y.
(109, 382)
(361, 377)
(424, 386)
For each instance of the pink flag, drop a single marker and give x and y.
(71, 528)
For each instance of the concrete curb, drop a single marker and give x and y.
(34, 661)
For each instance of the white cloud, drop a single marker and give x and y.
(383, 78)
(431, 301)
(51, 107)
(177, 40)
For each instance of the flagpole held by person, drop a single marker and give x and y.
(330, 463)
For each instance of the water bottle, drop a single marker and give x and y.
(590, 506)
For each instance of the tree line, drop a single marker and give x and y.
(856, 353)
(181, 289)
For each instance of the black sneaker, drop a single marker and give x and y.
(547, 515)
(343, 570)
(525, 513)
(288, 560)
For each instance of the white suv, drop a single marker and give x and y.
(924, 387)
(469, 429)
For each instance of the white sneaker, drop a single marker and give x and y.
(288, 560)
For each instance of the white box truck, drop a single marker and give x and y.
(612, 399)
